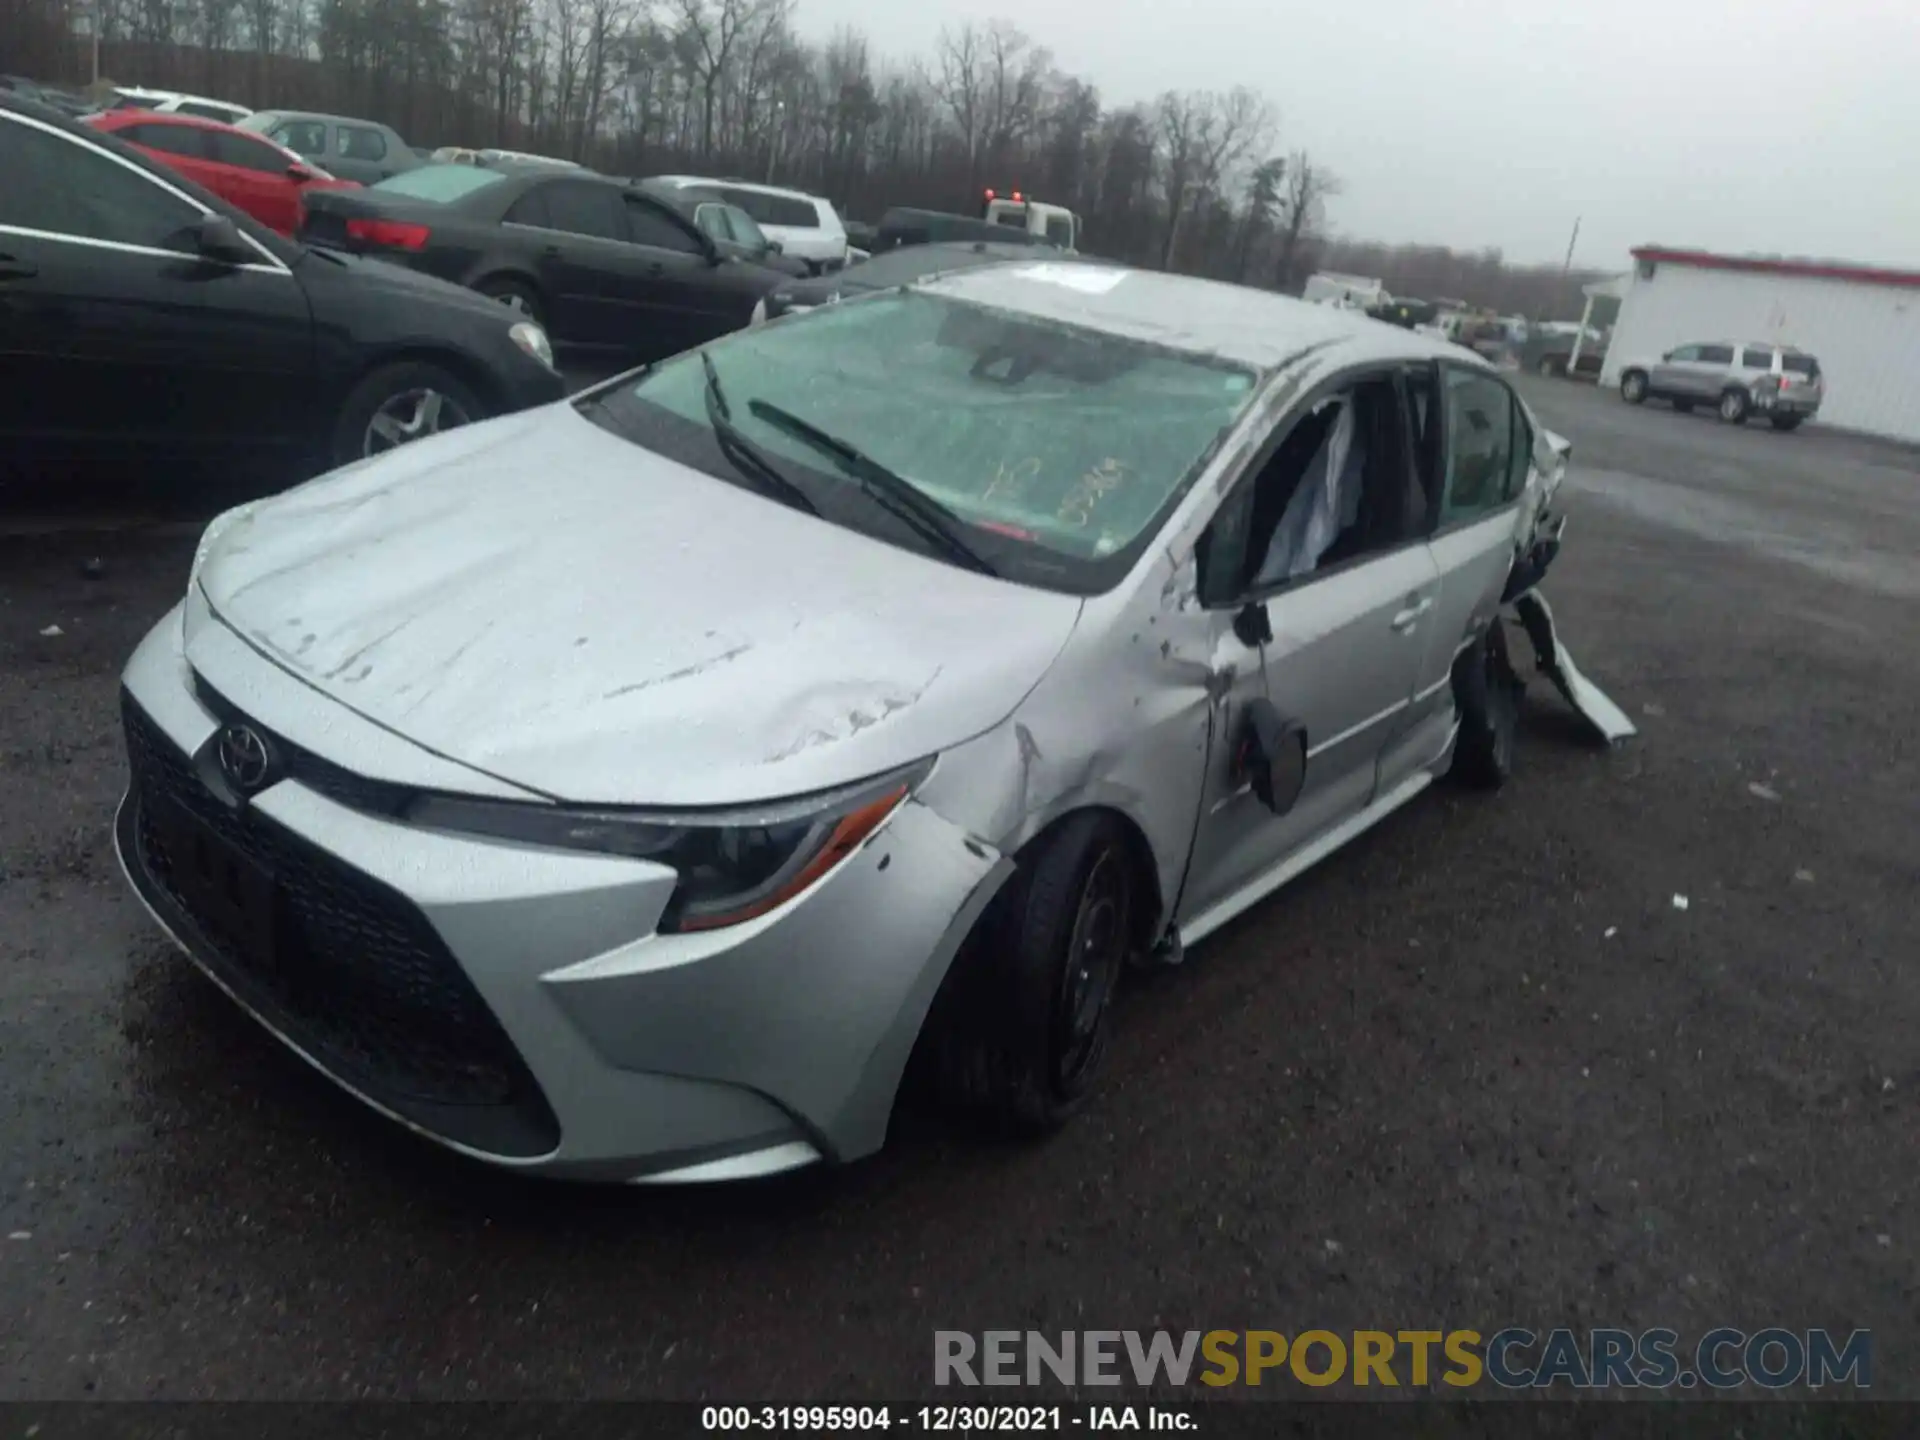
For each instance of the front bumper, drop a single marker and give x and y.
(512, 1003)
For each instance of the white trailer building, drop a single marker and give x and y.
(1860, 322)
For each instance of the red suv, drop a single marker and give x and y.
(245, 170)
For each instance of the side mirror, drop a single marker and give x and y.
(217, 238)
(774, 247)
(1272, 754)
(299, 174)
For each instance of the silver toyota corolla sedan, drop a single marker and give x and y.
(632, 788)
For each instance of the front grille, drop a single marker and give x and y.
(356, 792)
(356, 976)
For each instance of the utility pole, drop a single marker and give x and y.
(1566, 266)
(94, 26)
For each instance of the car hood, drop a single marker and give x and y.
(546, 602)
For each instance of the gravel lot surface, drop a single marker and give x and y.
(1477, 1070)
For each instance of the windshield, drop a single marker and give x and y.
(439, 183)
(1059, 450)
(1801, 365)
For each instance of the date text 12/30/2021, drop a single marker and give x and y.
(941, 1418)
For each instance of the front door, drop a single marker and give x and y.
(1674, 375)
(692, 293)
(590, 274)
(1480, 450)
(1319, 565)
(118, 341)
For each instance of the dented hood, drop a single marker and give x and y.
(551, 604)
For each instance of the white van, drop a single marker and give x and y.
(807, 227)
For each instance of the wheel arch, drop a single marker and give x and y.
(464, 368)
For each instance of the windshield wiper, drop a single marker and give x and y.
(742, 453)
(905, 499)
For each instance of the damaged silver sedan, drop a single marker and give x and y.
(631, 789)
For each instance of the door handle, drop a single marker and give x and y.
(1405, 619)
(551, 252)
(12, 269)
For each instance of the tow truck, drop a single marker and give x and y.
(1054, 223)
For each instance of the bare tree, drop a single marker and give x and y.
(962, 82)
(1309, 185)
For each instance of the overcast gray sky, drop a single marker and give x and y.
(1784, 126)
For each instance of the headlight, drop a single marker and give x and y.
(733, 864)
(532, 339)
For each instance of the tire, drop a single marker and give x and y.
(395, 390)
(1486, 690)
(1018, 1030)
(1734, 405)
(516, 295)
(1684, 407)
(1633, 387)
(1787, 422)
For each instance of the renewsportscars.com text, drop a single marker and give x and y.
(1511, 1358)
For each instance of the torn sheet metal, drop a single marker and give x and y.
(1607, 718)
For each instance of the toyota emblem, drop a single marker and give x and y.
(244, 758)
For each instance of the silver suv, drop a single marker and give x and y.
(1738, 380)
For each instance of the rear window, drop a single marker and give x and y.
(205, 111)
(787, 210)
(440, 183)
(1801, 365)
(135, 102)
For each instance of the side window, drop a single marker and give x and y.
(248, 154)
(303, 137)
(187, 140)
(787, 210)
(357, 142)
(710, 218)
(1338, 487)
(1522, 461)
(1716, 354)
(582, 209)
(647, 225)
(1685, 352)
(1422, 417)
(1755, 358)
(529, 209)
(1479, 445)
(51, 183)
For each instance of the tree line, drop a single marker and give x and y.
(1199, 181)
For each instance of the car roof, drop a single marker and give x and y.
(714, 182)
(122, 119)
(1255, 328)
(320, 115)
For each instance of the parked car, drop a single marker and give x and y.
(1737, 378)
(608, 269)
(64, 102)
(885, 272)
(146, 326)
(175, 102)
(728, 226)
(902, 226)
(352, 149)
(246, 170)
(807, 227)
(634, 787)
(1549, 347)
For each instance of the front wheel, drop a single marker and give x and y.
(1633, 387)
(1021, 1025)
(400, 403)
(1734, 406)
